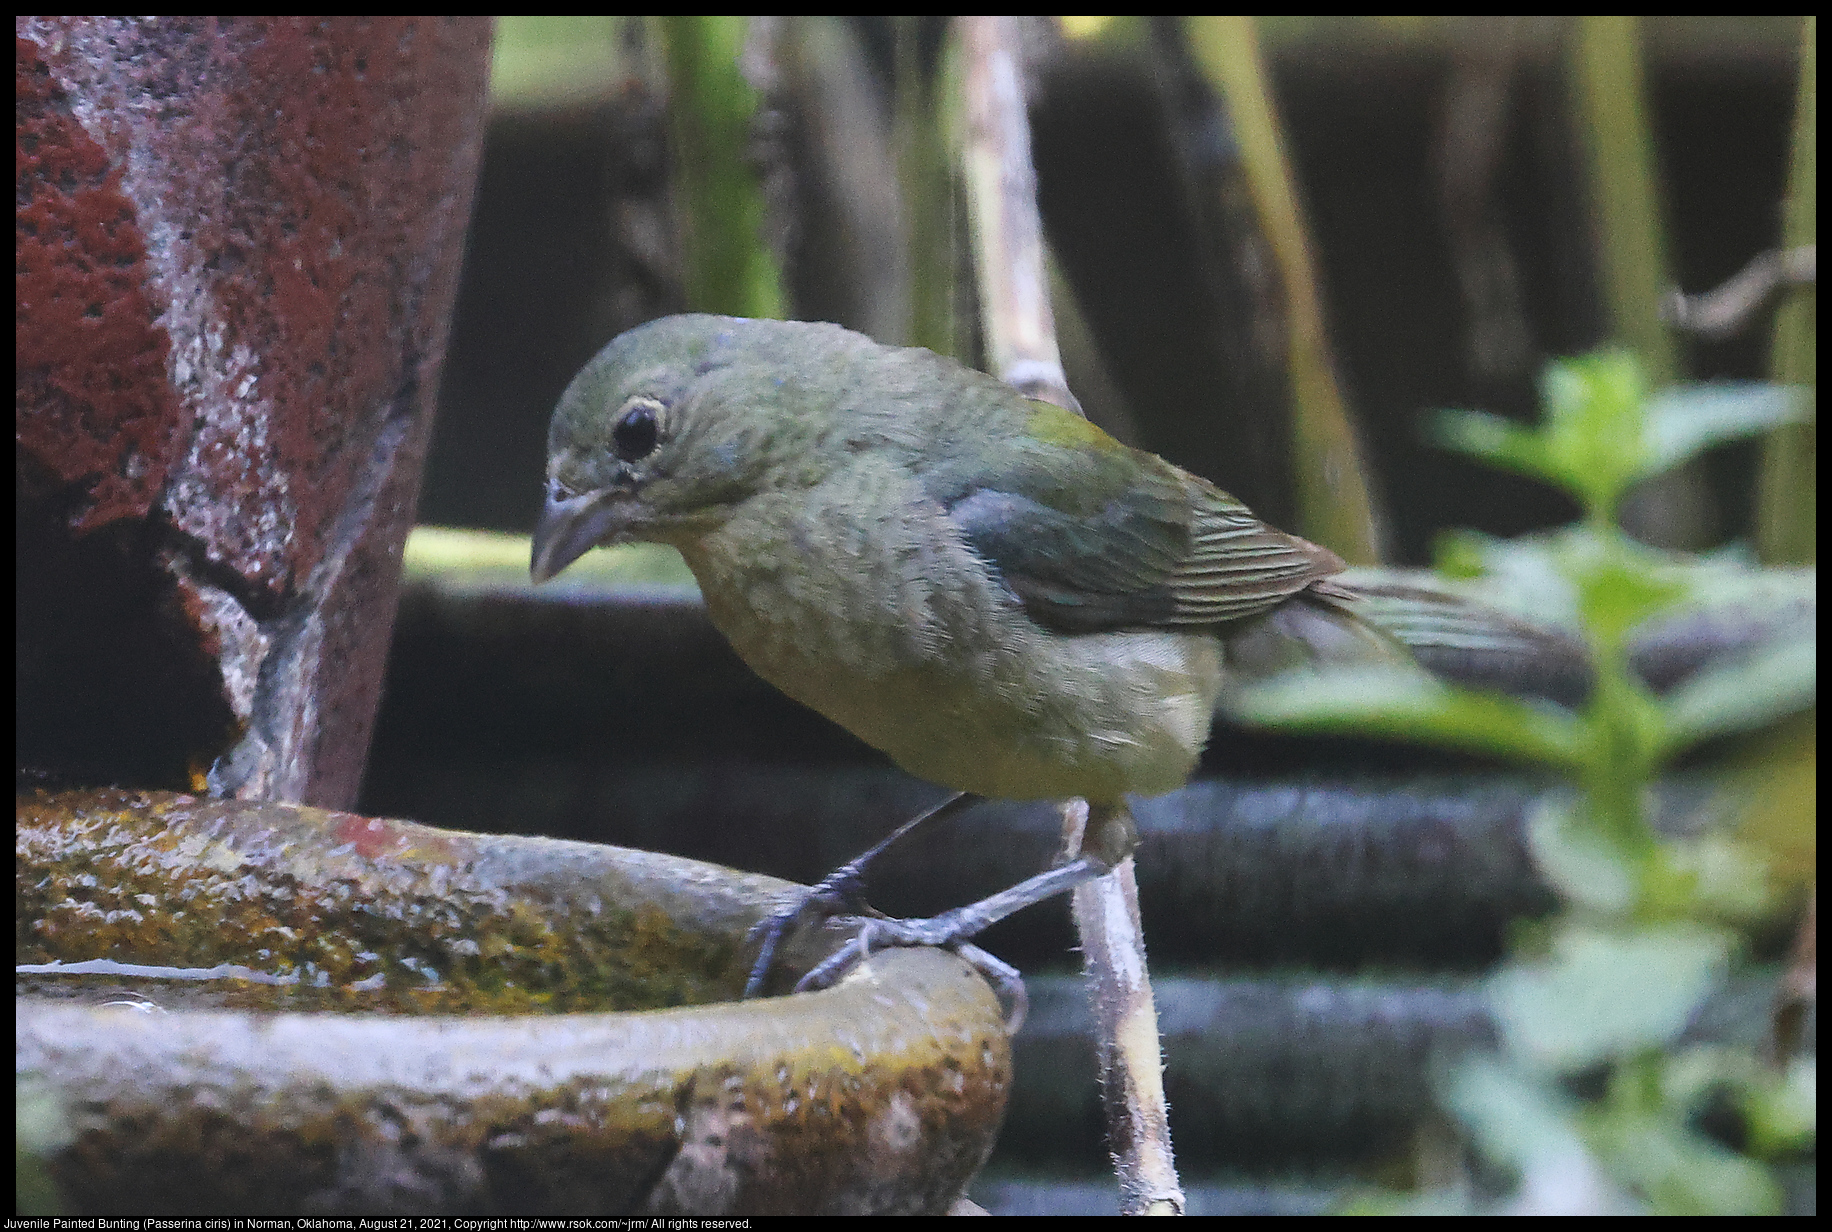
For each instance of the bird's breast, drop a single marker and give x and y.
(860, 599)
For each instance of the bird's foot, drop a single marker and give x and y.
(1007, 982)
(944, 931)
(951, 930)
(841, 891)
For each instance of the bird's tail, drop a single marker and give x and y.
(1372, 616)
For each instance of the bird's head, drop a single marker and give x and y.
(671, 426)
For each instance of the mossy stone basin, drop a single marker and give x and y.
(233, 1008)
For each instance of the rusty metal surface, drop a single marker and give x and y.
(519, 1092)
(238, 244)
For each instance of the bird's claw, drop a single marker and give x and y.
(947, 931)
(842, 889)
(839, 890)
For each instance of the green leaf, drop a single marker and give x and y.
(1774, 681)
(1582, 865)
(1520, 576)
(1783, 1114)
(1594, 424)
(1712, 876)
(1605, 994)
(1690, 1076)
(1602, 432)
(1525, 1123)
(1681, 1172)
(1730, 578)
(1462, 555)
(1686, 419)
(1401, 703)
(1619, 584)
(1498, 441)
(1515, 1117)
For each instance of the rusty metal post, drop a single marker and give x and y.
(238, 244)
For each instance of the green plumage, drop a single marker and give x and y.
(988, 588)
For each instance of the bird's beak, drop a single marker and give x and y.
(571, 528)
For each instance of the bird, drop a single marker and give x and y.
(988, 588)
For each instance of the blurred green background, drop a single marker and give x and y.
(1441, 163)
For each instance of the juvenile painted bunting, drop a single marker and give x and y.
(990, 589)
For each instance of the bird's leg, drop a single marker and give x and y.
(842, 888)
(1110, 837)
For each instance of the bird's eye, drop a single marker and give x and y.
(637, 430)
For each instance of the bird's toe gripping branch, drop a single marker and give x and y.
(951, 930)
(1110, 836)
(842, 890)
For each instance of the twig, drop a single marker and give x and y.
(1728, 309)
(1007, 230)
(1126, 1036)
(1021, 343)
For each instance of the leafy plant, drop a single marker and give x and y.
(1593, 1100)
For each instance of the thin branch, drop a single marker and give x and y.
(1730, 308)
(1007, 230)
(1021, 343)
(1126, 1037)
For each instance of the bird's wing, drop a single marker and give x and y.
(1091, 535)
